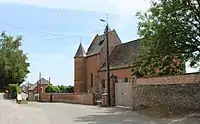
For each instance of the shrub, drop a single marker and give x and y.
(14, 90)
(56, 89)
(59, 89)
(49, 88)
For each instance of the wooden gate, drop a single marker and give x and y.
(123, 95)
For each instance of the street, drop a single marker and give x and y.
(62, 113)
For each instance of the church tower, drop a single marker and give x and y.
(80, 70)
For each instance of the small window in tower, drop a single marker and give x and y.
(91, 80)
(101, 42)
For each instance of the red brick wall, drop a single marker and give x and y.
(45, 97)
(179, 79)
(120, 73)
(85, 99)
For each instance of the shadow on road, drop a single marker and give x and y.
(117, 116)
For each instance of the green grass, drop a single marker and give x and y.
(22, 102)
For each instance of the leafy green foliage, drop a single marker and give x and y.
(56, 89)
(13, 65)
(14, 90)
(148, 66)
(169, 28)
(66, 89)
(49, 88)
(59, 89)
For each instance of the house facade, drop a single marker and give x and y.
(90, 67)
(37, 88)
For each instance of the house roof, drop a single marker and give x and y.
(97, 44)
(123, 54)
(80, 52)
(41, 81)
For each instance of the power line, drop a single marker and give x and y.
(44, 32)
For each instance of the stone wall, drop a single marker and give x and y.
(85, 99)
(181, 91)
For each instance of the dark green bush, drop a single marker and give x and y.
(14, 90)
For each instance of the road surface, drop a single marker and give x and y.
(61, 113)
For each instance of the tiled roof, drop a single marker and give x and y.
(41, 81)
(80, 52)
(97, 44)
(123, 55)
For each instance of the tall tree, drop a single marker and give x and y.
(13, 64)
(169, 28)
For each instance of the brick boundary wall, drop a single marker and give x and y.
(182, 91)
(45, 97)
(85, 99)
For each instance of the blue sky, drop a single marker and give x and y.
(51, 30)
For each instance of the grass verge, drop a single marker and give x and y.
(22, 102)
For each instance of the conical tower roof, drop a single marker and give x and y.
(80, 52)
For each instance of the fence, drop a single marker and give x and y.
(86, 99)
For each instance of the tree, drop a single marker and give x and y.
(13, 65)
(56, 89)
(59, 89)
(69, 89)
(169, 28)
(62, 89)
(48, 89)
(66, 89)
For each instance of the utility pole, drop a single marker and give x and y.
(108, 67)
(108, 63)
(38, 86)
(49, 80)
(28, 88)
(40, 82)
(28, 91)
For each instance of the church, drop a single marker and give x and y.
(90, 66)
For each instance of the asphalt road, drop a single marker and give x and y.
(61, 113)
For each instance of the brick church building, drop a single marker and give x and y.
(90, 66)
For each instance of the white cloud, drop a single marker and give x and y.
(107, 6)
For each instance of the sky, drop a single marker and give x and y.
(53, 29)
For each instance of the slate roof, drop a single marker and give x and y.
(80, 52)
(97, 44)
(43, 81)
(123, 54)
